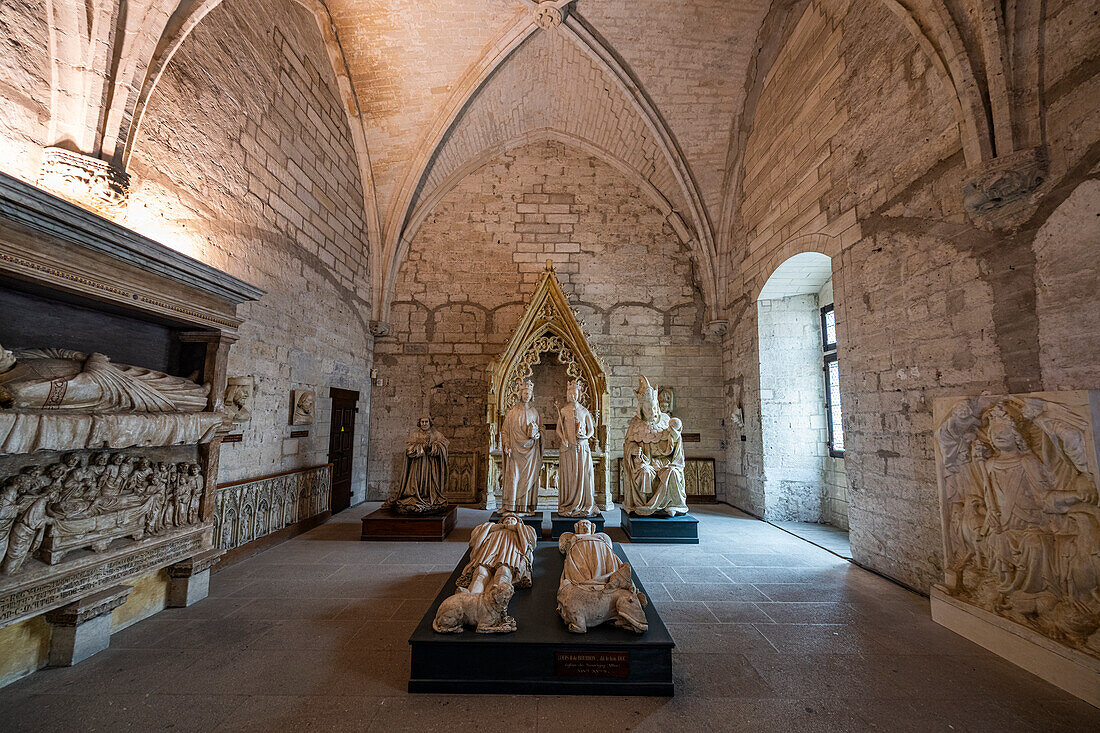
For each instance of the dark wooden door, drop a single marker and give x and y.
(341, 445)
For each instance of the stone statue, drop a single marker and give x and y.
(73, 505)
(63, 380)
(522, 446)
(486, 611)
(576, 479)
(653, 459)
(238, 400)
(666, 399)
(501, 555)
(596, 586)
(303, 402)
(425, 477)
(1021, 521)
(502, 552)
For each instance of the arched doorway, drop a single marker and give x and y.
(803, 439)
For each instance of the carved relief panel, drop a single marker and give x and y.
(1021, 522)
(248, 510)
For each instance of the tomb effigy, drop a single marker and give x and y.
(596, 586)
(500, 559)
(112, 387)
(1018, 485)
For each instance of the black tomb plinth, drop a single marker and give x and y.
(386, 525)
(541, 657)
(560, 525)
(681, 530)
(534, 522)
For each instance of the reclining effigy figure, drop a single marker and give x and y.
(596, 586)
(501, 555)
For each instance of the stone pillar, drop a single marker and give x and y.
(83, 628)
(189, 581)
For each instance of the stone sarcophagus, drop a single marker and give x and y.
(113, 359)
(1018, 486)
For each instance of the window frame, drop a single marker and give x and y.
(830, 357)
(826, 347)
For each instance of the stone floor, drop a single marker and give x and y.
(772, 633)
(823, 535)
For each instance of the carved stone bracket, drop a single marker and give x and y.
(84, 180)
(997, 194)
(189, 581)
(717, 329)
(380, 329)
(194, 565)
(89, 607)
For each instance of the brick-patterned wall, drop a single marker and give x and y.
(246, 162)
(24, 87)
(474, 265)
(854, 151)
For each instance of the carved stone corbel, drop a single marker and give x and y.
(83, 628)
(85, 180)
(380, 329)
(997, 196)
(189, 581)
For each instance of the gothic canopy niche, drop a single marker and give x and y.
(548, 329)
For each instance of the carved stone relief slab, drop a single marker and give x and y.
(463, 478)
(699, 477)
(239, 394)
(87, 501)
(303, 404)
(1018, 484)
(252, 509)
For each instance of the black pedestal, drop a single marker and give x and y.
(681, 530)
(542, 657)
(388, 525)
(559, 524)
(534, 522)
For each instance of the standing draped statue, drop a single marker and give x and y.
(522, 446)
(60, 379)
(425, 477)
(653, 459)
(576, 479)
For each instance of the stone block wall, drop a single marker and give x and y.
(855, 152)
(474, 265)
(246, 162)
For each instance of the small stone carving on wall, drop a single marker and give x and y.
(303, 404)
(238, 399)
(462, 479)
(50, 509)
(699, 479)
(1021, 522)
(252, 509)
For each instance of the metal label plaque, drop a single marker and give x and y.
(592, 664)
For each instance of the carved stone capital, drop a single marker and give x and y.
(85, 180)
(997, 194)
(89, 607)
(380, 329)
(194, 565)
(717, 329)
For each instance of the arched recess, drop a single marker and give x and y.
(428, 202)
(697, 230)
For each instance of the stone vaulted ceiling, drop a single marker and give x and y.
(651, 87)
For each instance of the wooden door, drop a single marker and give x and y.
(341, 445)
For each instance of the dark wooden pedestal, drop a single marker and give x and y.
(541, 657)
(388, 525)
(534, 522)
(681, 530)
(560, 525)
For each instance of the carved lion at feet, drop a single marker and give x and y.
(487, 611)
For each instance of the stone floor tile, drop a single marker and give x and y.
(270, 713)
(739, 611)
(447, 713)
(812, 613)
(718, 638)
(687, 612)
(291, 608)
(714, 592)
(821, 638)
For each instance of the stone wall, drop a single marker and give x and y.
(854, 151)
(245, 161)
(473, 266)
(24, 87)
